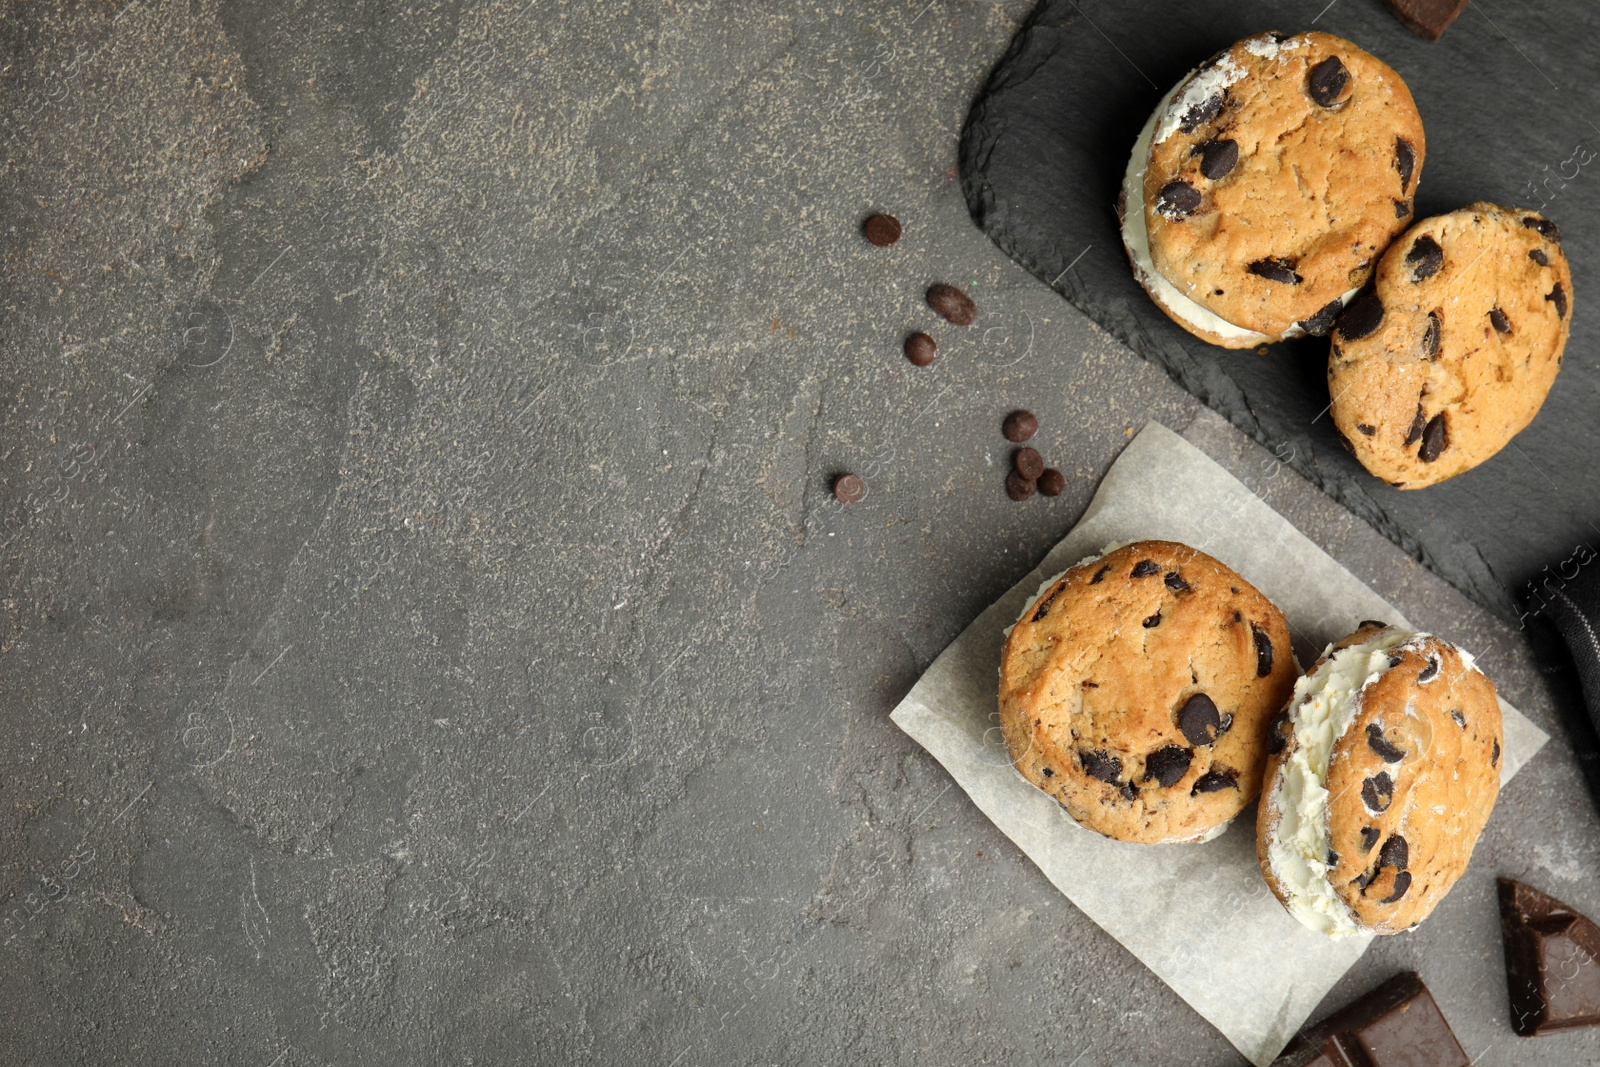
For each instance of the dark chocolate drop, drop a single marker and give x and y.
(1177, 200)
(1218, 158)
(1405, 163)
(1101, 765)
(1167, 765)
(1377, 792)
(1199, 720)
(1364, 315)
(1435, 439)
(1263, 651)
(1327, 81)
(1425, 258)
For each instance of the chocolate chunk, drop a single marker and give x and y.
(1327, 82)
(1362, 880)
(1425, 258)
(1551, 955)
(1396, 658)
(1275, 269)
(1538, 256)
(849, 488)
(1394, 852)
(1177, 200)
(1333, 858)
(1101, 765)
(1128, 790)
(1427, 19)
(1377, 792)
(1498, 320)
(1364, 315)
(1263, 651)
(1402, 882)
(1044, 605)
(1278, 733)
(1020, 426)
(1427, 673)
(1435, 439)
(1218, 158)
(1396, 1025)
(1494, 757)
(1402, 208)
(1319, 324)
(1048, 772)
(1430, 336)
(882, 230)
(1018, 487)
(1418, 424)
(1152, 621)
(1544, 226)
(1201, 113)
(1559, 295)
(1199, 720)
(1167, 765)
(1386, 751)
(1175, 582)
(1100, 574)
(1405, 163)
(1145, 568)
(1052, 482)
(1365, 429)
(1369, 837)
(921, 349)
(1028, 463)
(1461, 720)
(952, 304)
(1212, 782)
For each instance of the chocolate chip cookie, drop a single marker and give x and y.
(1136, 690)
(1265, 186)
(1381, 774)
(1454, 349)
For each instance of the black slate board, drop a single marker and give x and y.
(1507, 97)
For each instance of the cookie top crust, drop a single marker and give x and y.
(1454, 350)
(1136, 688)
(1277, 174)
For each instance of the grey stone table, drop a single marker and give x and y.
(426, 635)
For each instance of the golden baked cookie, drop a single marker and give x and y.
(1380, 776)
(1456, 346)
(1136, 689)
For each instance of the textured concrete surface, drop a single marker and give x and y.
(425, 632)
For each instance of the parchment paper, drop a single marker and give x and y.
(1253, 971)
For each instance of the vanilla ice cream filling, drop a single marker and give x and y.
(1323, 707)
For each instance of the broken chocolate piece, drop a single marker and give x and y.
(1275, 269)
(1396, 1025)
(1425, 258)
(1552, 962)
(1101, 765)
(1319, 324)
(1427, 19)
(1212, 782)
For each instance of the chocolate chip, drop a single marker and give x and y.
(1435, 439)
(1402, 882)
(1394, 853)
(1362, 880)
(849, 488)
(1175, 581)
(1028, 463)
(1049, 772)
(1425, 258)
(1544, 226)
(1319, 324)
(1263, 651)
(1405, 162)
(952, 304)
(1461, 720)
(1199, 720)
(1167, 765)
(1383, 748)
(1020, 426)
(1396, 658)
(1278, 733)
(1378, 791)
(1044, 605)
(1559, 295)
(1128, 790)
(1363, 316)
(1201, 113)
(1494, 760)
(1365, 429)
(1498, 320)
(1333, 858)
(1369, 837)
(1402, 208)
(1218, 158)
(1018, 487)
(1427, 673)
(1430, 336)
(1052, 482)
(1100, 574)
(1275, 269)
(1177, 200)
(1538, 256)
(1145, 568)
(1213, 781)
(1101, 765)
(1414, 434)
(921, 349)
(1371, 622)
(1152, 621)
(882, 230)
(1327, 82)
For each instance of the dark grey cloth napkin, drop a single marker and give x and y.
(1572, 604)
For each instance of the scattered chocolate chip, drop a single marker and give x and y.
(1101, 765)
(1199, 720)
(921, 349)
(1494, 759)
(1402, 882)
(1018, 487)
(1020, 426)
(1402, 208)
(1435, 439)
(1263, 651)
(1044, 605)
(1544, 226)
(1386, 751)
(882, 230)
(1028, 463)
(952, 304)
(1319, 324)
(1430, 336)
(1145, 568)
(1218, 158)
(1498, 320)
(1177, 200)
(1152, 621)
(1538, 256)
(1167, 765)
(1175, 582)
(1427, 673)
(1327, 82)
(1461, 720)
(1278, 733)
(1405, 163)
(1201, 113)
(1378, 791)
(1414, 434)
(1275, 269)
(1100, 574)
(1369, 837)
(1212, 781)
(1049, 772)
(849, 488)
(1559, 295)
(1365, 429)
(1364, 315)
(1425, 258)
(1394, 852)
(1052, 482)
